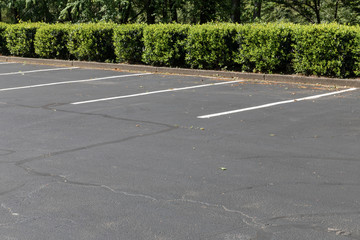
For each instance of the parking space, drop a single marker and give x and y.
(94, 154)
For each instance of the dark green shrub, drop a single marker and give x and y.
(51, 41)
(265, 48)
(128, 42)
(211, 46)
(20, 39)
(327, 50)
(165, 44)
(92, 42)
(3, 48)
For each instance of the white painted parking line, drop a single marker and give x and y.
(2, 63)
(69, 82)
(34, 71)
(276, 103)
(154, 92)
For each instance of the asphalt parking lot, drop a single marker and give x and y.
(94, 154)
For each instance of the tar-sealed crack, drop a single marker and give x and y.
(5, 152)
(247, 219)
(296, 221)
(52, 154)
(264, 230)
(251, 221)
(312, 215)
(11, 190)
(50, 107)
(129, 194)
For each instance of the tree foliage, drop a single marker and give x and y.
(181, 11)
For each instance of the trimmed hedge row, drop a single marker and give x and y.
(51, 41)
(164, 44)
(265, 48)
(327, 49)
(91, 42)
(212, 46)
(128, 42)
(20, 39)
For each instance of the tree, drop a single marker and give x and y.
(309, 9)
(205, 10)
(13, 8)
(257, 9)
(236, 11)
(181, 11)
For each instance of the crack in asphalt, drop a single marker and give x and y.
(277, 184)
(5, 152)
(311, 215)
(11, 190)
(278, 229)
(303, 157)
(50, 108)
(298, 217)
(129, 194)
(63, 179)
(52, 154)
(247, 219)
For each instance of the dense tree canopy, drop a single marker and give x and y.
(181, 11)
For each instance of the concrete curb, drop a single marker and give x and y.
(184, 71)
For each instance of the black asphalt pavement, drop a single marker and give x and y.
(91, 154)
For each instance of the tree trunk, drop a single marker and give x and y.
(203, 12)
(236, 11)
(203, 18)
(15, 14)
(257, 9)
(165, 11)
(127, 11)
(336, 11)
(173, 11)
(150, 10)
(207, 10)
(317, 11)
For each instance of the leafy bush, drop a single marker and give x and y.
(20, 39)
(165, 44)
(51, 41)
(327, 49)
(91, 42)
(211, 46)
(265, 48)
(3, 48)
(128, 42)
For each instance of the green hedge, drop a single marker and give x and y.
(265, 48)
(323, 50)
(211, 46)
(20, 39)
(327, 50)
(51, 41)
(128, 43)
(165, 44)
(92, 42)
